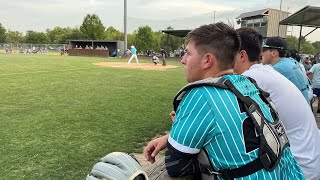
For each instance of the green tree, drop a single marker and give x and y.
(59, 35)
(92, 27)
(144, 38)
(292, 42)
(316, 45)
(74, 33)
(14, 37)
(307, 48)
(131, 38)
(56, 35)
(169, 42)
(113, 34)
(36, 37)
(158, 41)
(2, 34)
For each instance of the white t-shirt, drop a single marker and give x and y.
(310, 90)
(316, 75)
(296, 115)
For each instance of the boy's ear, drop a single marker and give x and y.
(243, 55)
(275, 53)
(208, 60)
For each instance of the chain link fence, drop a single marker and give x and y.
(23, 48)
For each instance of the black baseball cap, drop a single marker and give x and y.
(275, 43)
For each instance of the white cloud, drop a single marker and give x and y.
(186, 7)
(22, 15)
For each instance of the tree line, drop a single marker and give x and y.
(144, 38)
(306, 47)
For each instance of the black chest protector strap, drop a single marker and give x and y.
(272, 135)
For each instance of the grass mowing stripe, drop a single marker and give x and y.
(58, 121)
(36, 72)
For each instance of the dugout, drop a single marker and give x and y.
(178, 33)
(97, 48)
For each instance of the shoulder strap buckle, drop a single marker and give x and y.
(207, 169)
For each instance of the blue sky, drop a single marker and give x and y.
(39, 15)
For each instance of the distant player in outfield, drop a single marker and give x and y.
(133, 54)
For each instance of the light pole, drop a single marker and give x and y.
(279, 17)
(125, 25)
(212, 16)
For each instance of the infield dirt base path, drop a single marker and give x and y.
(143, 66)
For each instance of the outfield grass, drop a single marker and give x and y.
(59, 115)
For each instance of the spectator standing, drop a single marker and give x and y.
(307, 64)
(315, 73)
(295, 58)
(317, 57)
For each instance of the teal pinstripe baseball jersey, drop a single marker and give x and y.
(212, 118)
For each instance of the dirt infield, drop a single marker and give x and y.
(143, 66)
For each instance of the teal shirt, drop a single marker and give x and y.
(211, 118)
(292, 71)
(133, 50)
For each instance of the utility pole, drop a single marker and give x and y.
(279, 17)
(125, 25)
(212, 16)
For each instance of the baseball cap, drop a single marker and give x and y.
(275, 43)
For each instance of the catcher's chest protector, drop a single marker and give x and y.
(273, 138)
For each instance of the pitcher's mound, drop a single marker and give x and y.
(143, 66)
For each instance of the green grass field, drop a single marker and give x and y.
(59, 115)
